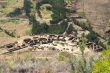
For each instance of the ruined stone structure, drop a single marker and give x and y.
(51, 42)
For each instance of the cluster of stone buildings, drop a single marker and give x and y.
(67, 43)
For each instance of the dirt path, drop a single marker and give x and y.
(98, 13)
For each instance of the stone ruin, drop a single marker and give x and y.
(41, 42)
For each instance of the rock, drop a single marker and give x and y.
(107, 32)
(78, 28)
(9, 45)
(27, 40)
(94, 46)
(86, 32)
(24, 45)
(81, 20)
(53, 48)
(31, 43)
(71, 38)
(61, 38)
(43, 40)
(49, 40)
(80, 33)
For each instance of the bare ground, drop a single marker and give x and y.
(98, 13)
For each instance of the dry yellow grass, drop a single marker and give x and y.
(98, 13)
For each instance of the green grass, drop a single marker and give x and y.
(29, 31)
(11, 63)
(82, 14)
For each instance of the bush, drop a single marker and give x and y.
(58, 29)
(58, 9)
(27, 6)
(103, 64)
(91, 37)
(58, 14)
(16, 12)
(40, 28)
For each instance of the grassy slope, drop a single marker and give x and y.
(19, 27)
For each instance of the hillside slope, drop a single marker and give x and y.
(98, 13)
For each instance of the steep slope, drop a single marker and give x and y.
(97, 12)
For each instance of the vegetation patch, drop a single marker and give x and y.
(45, 13)
(64, 56)
(103, 64)
(29, 31)
(16, 12)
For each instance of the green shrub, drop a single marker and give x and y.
(58, 14)
(106, 53)
(103, 64)
(58, 29)
(92, 37)
(40, 28)
(16, 12)
(58, 9)
(28, 6)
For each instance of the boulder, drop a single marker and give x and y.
(9, 45)
(43, 40)
(31, 43)
(27, 40)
